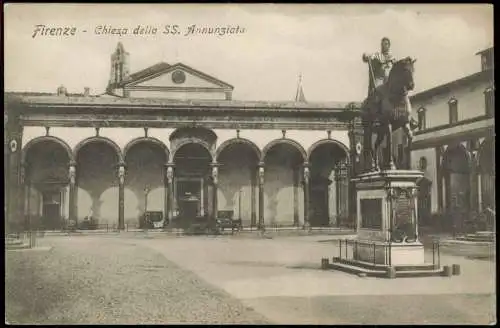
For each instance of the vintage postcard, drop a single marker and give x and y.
(249, 164)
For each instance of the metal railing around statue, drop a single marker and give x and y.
(376, 253)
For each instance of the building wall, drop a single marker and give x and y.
(219, 95)
(471, 103)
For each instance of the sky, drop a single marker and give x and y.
(322, 42)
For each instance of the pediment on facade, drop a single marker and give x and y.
(177, 77)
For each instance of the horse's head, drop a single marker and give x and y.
(401, 75)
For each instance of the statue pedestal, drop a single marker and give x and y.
(387, 242)
(386, 202)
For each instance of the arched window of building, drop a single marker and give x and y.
(489, 99)
(421, 118)
(453, 109)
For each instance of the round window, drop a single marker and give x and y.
(178, 77)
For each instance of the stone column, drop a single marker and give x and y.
(14, 179)
(121, 196)
(261, 196)
(473, 174)
(337, 193)
(72, 194)
(296, 173)
(306, 196)
(253, 200)
(169, 196)
(215, 182)
(439, 174)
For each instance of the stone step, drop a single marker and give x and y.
(13, 242)
(476, 238)
(485, 233)
(420, 273)
(383, 273)
(382, 267)
(357, 270)
(19, 246)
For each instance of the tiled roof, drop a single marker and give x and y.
(147, 71)
(48, 99)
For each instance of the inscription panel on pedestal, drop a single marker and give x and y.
(403, 209)
(371, 213)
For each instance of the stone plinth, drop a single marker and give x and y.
(387, 218)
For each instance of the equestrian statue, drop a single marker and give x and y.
(387, 107)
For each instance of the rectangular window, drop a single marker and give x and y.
(453, 107)
(421, 119)
(489, 98)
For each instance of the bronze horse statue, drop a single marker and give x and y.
(383, 111)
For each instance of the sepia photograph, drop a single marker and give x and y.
(259, 164)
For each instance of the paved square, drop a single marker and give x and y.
(132, 278)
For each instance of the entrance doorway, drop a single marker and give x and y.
(189, 194)
(319, 200)
(51, 210)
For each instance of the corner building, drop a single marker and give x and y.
(170, 138)
(454, 147)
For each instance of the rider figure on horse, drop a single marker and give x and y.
(380, 65)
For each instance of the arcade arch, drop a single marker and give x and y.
(45, 164)
(328, 160)
(486, 172)
(144, 185)
(283, 162)
(456, 173)
(193, 189)
(97, 161)
(238, 159)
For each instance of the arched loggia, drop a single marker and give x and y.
(145, 187)
(45, 175)
(99, 139)
(456, 173)
(329, 187)
(238, 159)
(192, 183)
(99, 165)
(283, 175)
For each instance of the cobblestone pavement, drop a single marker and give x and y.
(281, 279)
(110, 280)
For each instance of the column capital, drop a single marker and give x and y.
(306, 174)
(215, 174)
(121, 174)
(215, 164)
(306, 165)
(261, 164)
(72, 163)
(72, 174)
(121, 164)
(169, 165)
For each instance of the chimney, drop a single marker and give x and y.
(61, 91)
(86, 91)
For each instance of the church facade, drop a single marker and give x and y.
(171, 139)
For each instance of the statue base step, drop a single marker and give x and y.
(385, 253)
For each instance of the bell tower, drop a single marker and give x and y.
(119, 66)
